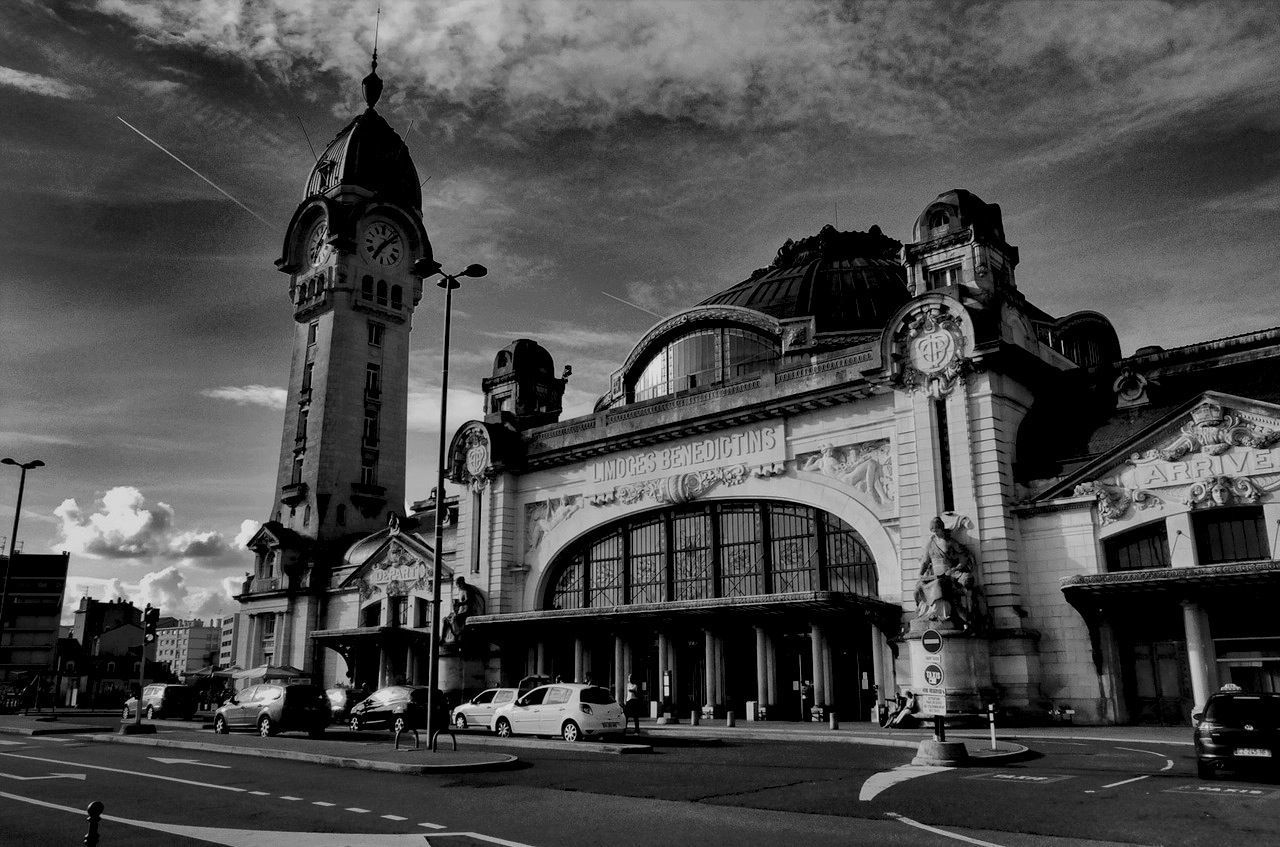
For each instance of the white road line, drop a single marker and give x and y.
(12, 743)
(878, 782)
(321, 803)
(966, 839)
(357, 810)
(260, 793)
(395, 818)
(287, 797)
(431, 825)
(1168, 764)
(49, 738)
(1127, 781)
(130, 773)
(492, 839)
(1136, 750)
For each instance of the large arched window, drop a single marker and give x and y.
(703, 357)
(729, 549)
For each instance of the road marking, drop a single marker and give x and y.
(287, 797)
(395, 817)
(130, 773)
(49, 738)
(491, 839)
(321, 803)
(1225, 791)
(260, 793)
(1127, 781)
(432, 825)
(78, 776)
(1168, 765)
(966, 839)
(12, 743)
(1024, 778)
(188, 762)
(357, 810)
(265, 838)
(887, 779)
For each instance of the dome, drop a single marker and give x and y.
(957, 210)
(370, 154)
(848, 281)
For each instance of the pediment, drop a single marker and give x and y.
(276, 535)
(400, 566)
(1214, 450)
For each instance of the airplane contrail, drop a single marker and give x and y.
(632, 305)
(193, 170)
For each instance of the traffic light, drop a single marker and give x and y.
(150, 617)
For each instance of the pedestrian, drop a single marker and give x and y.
(631, 709)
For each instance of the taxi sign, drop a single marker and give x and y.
(931, 641)
(933, 675)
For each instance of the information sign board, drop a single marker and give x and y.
(932, 700)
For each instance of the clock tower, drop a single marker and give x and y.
(349, 252)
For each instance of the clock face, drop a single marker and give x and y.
(382, 243)
(317, 250)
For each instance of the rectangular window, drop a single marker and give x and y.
(741, 551)
(372, 380)
(302, 427)
(944, 456)
(942, 277)
(648, 563)
(368, 472)
(1139, 549)
(794, 548)
(296, 475)
(606, 572)
(307, 370)
(371, 429)
(692, 548)
(476, 504)
(313, 329)
(375, 333)
(1231, 535)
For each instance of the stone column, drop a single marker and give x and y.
(709, 667)
(540, 659)
(410, 667)
(771, 659)
(722, 699)
(762, 668)
(619, 669)
(578, 671)
(828, 680)
(673, 666)
(662, 672)
(815, 659)
(877, 665)
(382, 666)
(1200, 653)
(1111, 674)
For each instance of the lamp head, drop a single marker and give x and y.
(475, 270)
(36, 464)
(7, 461)
(425, 267)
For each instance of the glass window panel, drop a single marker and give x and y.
(605, 582)
(567, 593)
(693, 360)
(648, 563)
(1138, 549)
(794, 548)
(1231, 535)
(692, 556)
(741, 551)
(746, 352)
(652, 381)
(850, 566)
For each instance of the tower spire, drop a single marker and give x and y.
(372, 84)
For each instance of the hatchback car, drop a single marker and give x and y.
(162, 700)
(341, 700)
(396, 707)
(478, 711)
(571, 710)
(1236, 730)
(272, 708)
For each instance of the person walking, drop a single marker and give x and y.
(631, 709)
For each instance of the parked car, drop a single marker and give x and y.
(571, 710)
(341, 700)
(272, 707)
(162, 700)
(478, 711)
(1237, 729)
(397, 707)
(531, 682)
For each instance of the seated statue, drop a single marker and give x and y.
(467, 601)
(945, 589)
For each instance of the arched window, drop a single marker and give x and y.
(382, 292)
(701, 358)
(731, 549)
(939, 218)
(366, 287)
(397, 297)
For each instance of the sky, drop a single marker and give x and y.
(657, 152)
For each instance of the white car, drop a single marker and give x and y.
(571, 710)
(478, 711)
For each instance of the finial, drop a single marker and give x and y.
(372, 84)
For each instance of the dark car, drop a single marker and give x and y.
(163, 701)
(341, 700)
(397, 707)
(272, 707)
(1237, 730)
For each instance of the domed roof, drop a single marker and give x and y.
(847, 281)
(956, 210)
(370, 154)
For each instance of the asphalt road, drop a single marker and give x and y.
(758, 792)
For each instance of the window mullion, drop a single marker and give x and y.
(668, 557)
(626, 564)
(820, 534)
(766, 540)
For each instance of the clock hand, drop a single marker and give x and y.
(384, 244)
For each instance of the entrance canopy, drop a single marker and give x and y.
(1171, 583)
(265, 673)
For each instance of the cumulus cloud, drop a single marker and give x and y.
(247, 530)
(123, 525)
(250, 395)
(42, 85)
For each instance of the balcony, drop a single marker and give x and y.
(293, 493)
(367, 495)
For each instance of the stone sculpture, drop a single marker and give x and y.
(946, 586)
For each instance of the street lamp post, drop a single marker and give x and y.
(449, 282)
(13, 538)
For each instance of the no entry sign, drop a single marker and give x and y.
(931, 641)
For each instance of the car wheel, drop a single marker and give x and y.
(355, 724)
(125, 715)
(1206, 770)
(460, 721)
(571, 732)
(220, 725)
(265, 727)
(400, 724)
(503, 728)
(151, 713)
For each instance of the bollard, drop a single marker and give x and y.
(695, 717)
(833, 720)
(416, 743)
(991, 717)
(729, 719)
(95, 814)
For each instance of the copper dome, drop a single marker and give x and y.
(370, 154)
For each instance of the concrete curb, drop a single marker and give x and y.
(539, 744)
(67, 729)
(499, 762)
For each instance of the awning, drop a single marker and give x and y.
(263, 673)
(1176, 583)
(369, 634)
(810, 603)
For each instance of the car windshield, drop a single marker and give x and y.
(1237, 711)
(419, 695)
(597, 696)
(301, 693)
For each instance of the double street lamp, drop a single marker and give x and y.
(449, 282)
(13, 538)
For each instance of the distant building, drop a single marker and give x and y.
(94, 617)
(230, 628)
(187, 646)
(29, 622)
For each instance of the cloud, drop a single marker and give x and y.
(424, 408)
(168, 589)
(250, 395)
(42, 85)
(126, 527)
(247, 530)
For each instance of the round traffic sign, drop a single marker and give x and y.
(932, 675)
(931, 641)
